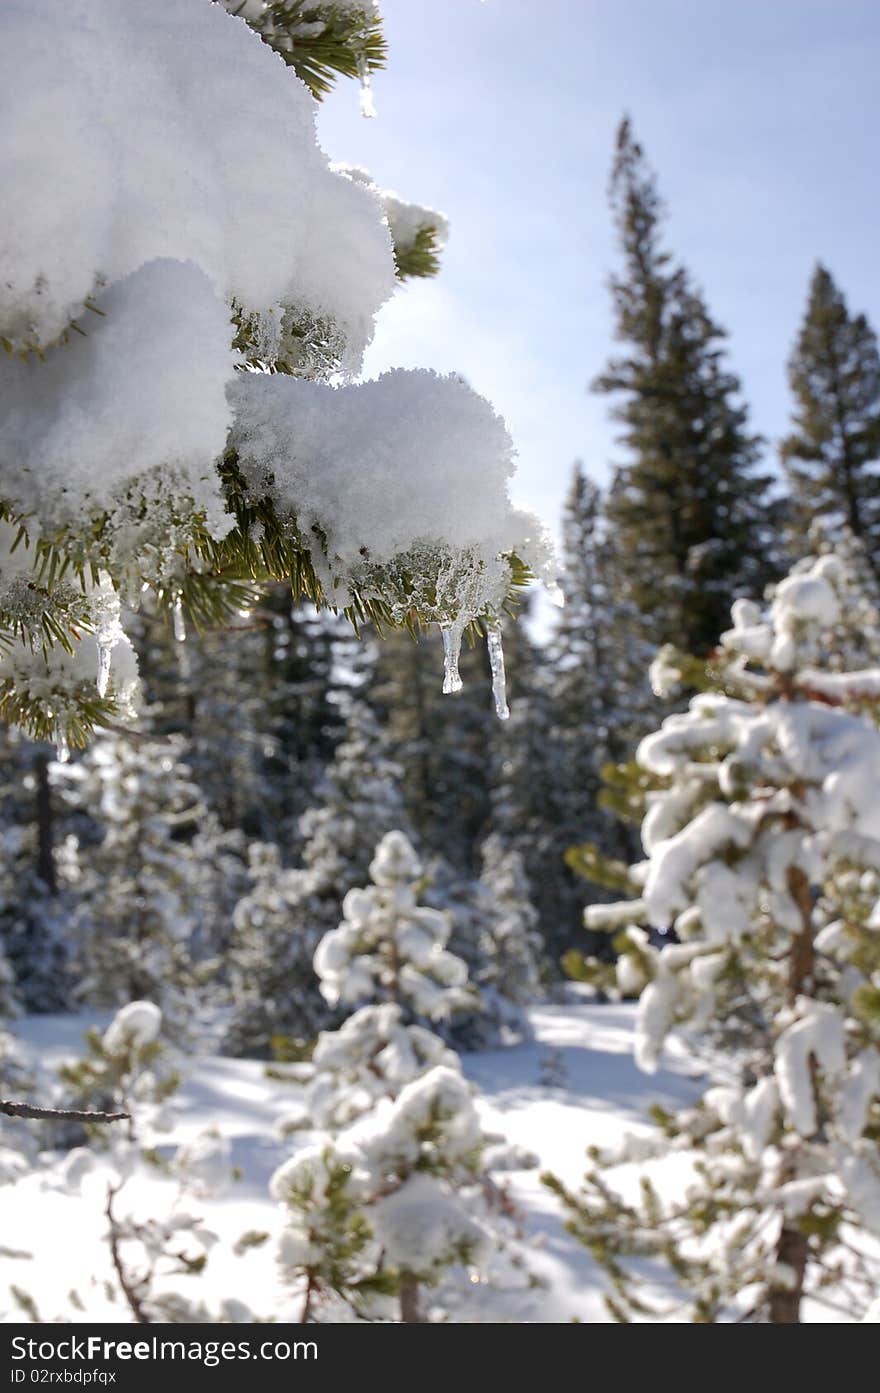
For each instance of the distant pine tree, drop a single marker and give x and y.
(287, 910)
(35, 899)
(688, 510)
(271, 680)
(440, 742)
(601, 698)
(832, 456)
(528, 793)
(146, 891)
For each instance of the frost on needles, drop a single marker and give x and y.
(187, 287)
(762, 861)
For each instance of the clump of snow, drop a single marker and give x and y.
(422, 1227)
(305, 1173)
(435, 1115)
(145, 208)
(130, 150)
(405, 218)
(134, 1026)
(112, 405)
(395, 860)
(816, 1037)
(412, 462)
(372, 1055)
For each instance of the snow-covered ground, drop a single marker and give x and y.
(573, 1085)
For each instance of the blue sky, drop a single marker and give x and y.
(759, 116)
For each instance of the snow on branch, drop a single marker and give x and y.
(37, 1114)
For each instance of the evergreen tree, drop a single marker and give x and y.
(142, 923)
(272, 678)
(832, 456)
(35, 892)
(440, 741)
(762, 845)
(395, 1196)
(278, 923)
(528, 782)
(387, 947)
(688, 510)
(511, 975)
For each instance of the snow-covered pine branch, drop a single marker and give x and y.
(167, 280)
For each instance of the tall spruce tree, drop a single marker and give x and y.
(832, 456)
(688, 508)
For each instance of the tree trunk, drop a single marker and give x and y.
(409, 1300)
(45, 826)
(791, 1250)
(785, 1302)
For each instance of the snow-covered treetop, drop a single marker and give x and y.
(405, 1160)
(134, 1026)
(387, 946)
(175, 262)
(371, 1056)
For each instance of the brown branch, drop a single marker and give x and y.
(311, 1287)
(30, 1110)
(128, 1285)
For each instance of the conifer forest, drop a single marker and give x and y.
(439, 663)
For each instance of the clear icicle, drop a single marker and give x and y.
(496, 663)
(105, 658)
(179, 621)
(62, 749)
(452, 633)
(368, 105)
(108, 630)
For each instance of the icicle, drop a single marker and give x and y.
(179, 621)
(105, 657)
(452, 633)
(496, 663)
(62, 749)
(368, 106)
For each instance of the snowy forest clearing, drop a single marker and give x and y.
(575, 1084)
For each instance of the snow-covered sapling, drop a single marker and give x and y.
(125, 1067)
(762, 847)
(397, 1194)
(393, 1202)
(388, 947)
